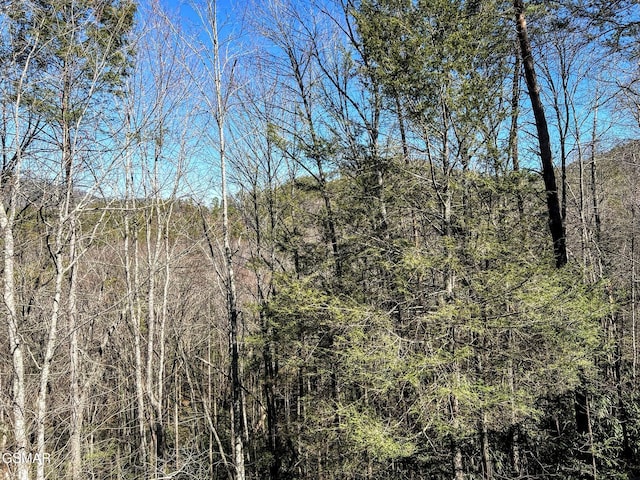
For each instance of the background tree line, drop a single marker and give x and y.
(343, 239)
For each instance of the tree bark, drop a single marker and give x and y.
(15, 339)
(77, 406)
(65, 215)
(487, 463)
(131, 270)
(230, 282)
(556, 225)
(513, 129)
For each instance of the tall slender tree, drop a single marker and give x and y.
(556, 225)
(219, 72)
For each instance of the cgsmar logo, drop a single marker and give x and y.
(25, 457)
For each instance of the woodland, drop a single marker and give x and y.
(324, 239)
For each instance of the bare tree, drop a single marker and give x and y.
(18, 129)
(219, 72)
(556, 224)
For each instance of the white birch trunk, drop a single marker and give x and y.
(7, 223)
(15, 343)
(77, 405)
(232, 306)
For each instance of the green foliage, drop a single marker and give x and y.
(436, 52)
(368, 435)
(72, 47)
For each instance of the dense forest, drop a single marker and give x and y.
(324, 239)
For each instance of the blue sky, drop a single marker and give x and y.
(613, 122)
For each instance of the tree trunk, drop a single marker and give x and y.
(133, 313)
(50, 345)
(458, 466)
(634, 281)
(237, 427)
(487, 463)
(556, 225)
(594, 187)
(15, 340)
(153, 257)
(11, 181)
(515, 106)
(77, 406)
